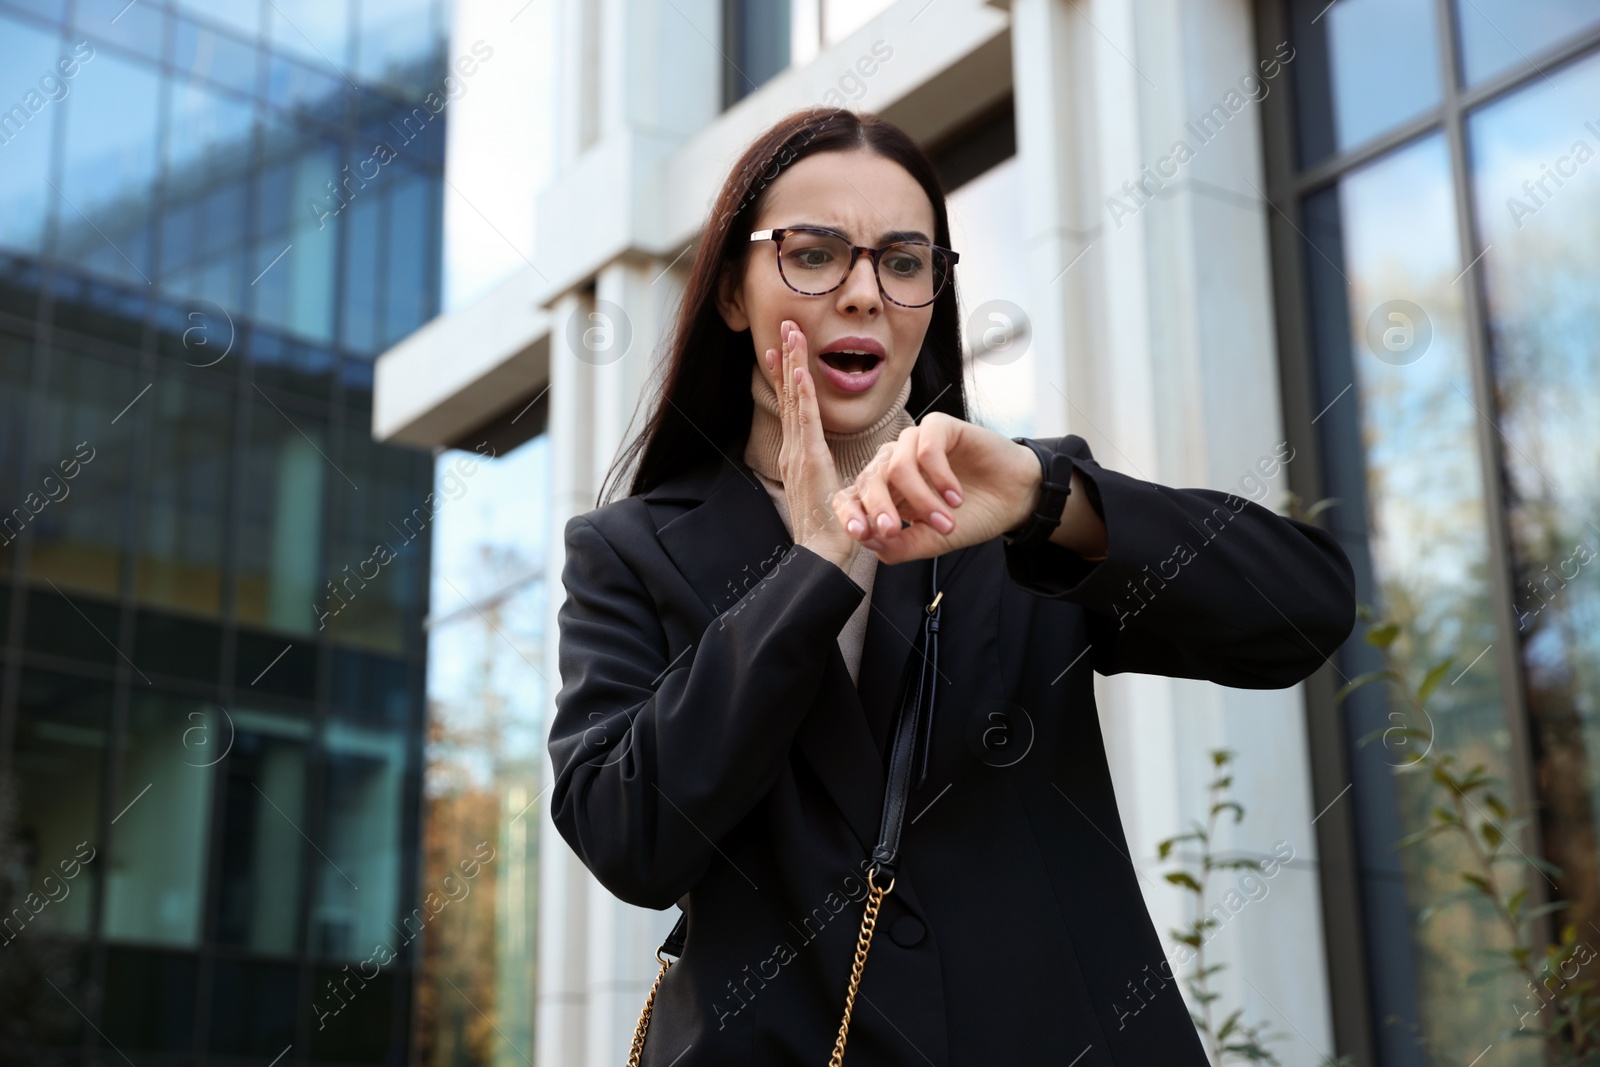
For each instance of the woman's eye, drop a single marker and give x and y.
(905, 266)
(812, 257)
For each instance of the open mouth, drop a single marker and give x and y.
(848, 362)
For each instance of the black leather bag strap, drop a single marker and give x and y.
(913, 734)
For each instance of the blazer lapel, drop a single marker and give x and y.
(722, 547)
(899, 593)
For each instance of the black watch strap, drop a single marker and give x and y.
(1057, 486)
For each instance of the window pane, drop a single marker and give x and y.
(486, 695)
(263, 811)
(109, 167)
(156, 870)
(30, 86)
(1538, 201)
(1404, 462)
(280, 535)
(208, 158)
(411, 290)
(756, 43)
(241, 16)
(1499, 34)
(135, 27)
(220, 58)
(297, 217)
(401, 44)
(80, 515)
(1362, 67)
(15, 361)
(185, 497)
(253, 1007)
(357, 888)
(316, 30)
(59, 757)
(379, 541)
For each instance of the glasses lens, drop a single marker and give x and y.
(813, 262)
(912, 274)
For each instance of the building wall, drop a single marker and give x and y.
(211, 707)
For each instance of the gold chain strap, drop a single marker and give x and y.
(644, 1016)
(869, 922)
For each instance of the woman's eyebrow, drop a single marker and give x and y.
(885, 238)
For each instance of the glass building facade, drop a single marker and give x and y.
(213, 216)
(1438, 278)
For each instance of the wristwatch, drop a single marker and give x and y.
(1056, 487)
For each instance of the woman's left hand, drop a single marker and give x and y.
(955, 482)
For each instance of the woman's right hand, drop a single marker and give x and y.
(810, 479)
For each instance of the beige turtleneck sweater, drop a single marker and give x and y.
(851, 453)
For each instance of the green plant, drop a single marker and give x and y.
(1469, 809)
(1232, 1038)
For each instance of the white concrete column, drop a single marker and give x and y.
(597, 954)
(1160, 334)
(563, 880)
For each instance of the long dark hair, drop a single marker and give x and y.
(703, 407)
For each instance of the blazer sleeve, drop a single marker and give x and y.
(654, 762)
(1196, 583)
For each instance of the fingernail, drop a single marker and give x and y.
(856, 527)
(885, 523)
(952, 497)
(941, 522)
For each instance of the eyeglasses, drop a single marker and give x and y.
(815, 261)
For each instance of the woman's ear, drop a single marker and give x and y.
(730, 300)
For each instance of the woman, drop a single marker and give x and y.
(730, 671)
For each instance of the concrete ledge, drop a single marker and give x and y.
(462, 369)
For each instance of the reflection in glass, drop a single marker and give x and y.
(241, 16)
(411, 284)
(32, 82)
(1537, 184)
(362, 791)
(80, 526)
(109, 168)
(58, 759)
(155, 873)
(279, 537)
(263, 808)
(1499, 34)
(1384, 235)
(135, 27)
(1362, 67)
(221, 58)
(377, 542)
(15, 363)
(185, 499)
(400, 44)
(318, 31)
(296, 172)
(486, 695)
(482, 779)
(208, 157)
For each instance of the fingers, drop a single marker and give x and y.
(895, 487)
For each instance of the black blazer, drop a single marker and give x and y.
(709, 750)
